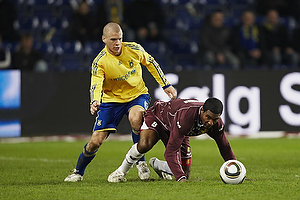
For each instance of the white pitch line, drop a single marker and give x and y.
(33, 159)
(66, 138)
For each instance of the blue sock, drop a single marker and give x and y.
(84, 159)
(135, 139)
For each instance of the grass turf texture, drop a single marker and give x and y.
(37, 170)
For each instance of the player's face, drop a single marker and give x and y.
(208, 118)
(113, 42)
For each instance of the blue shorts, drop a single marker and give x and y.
(110, 114)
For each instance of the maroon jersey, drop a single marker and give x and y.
(177, 119)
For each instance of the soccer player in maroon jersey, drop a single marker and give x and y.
(173, 122)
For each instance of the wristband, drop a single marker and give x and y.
(166, 86)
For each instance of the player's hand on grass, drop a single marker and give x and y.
(94, 107)
(171, 92)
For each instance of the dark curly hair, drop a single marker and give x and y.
(214, 105)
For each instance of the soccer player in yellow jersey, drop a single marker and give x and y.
(117, 88)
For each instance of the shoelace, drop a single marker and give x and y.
(144, 167)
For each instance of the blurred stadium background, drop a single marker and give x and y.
(48, 21)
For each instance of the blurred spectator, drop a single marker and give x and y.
(284, 7)
(146, 19)
(246, 41)
(5, 56)
(277, 44)
(214, 42)
(83, 24)
(296, 42)
(8, 15)
(112, 11)
(28, 58)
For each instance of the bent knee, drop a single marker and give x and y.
(136, 122)
(135, 117)
(144, 146)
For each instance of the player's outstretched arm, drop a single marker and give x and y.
(187, 170)
(94, 107)
(171, 92)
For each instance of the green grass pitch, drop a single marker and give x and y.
(36, 171)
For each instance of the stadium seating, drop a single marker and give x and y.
(28, 24)
(48, 20)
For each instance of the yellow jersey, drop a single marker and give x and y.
(119, 78)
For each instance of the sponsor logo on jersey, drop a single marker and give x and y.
(126, 76)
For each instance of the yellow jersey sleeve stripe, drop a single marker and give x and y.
(151, 60)
(135, 47)
(96, 60)
(92, 92)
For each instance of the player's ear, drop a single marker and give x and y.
(103, 39)
(201, 110)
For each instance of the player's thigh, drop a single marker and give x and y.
(109, 116)
(148, 138)
(135, 116)
(136, 110)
